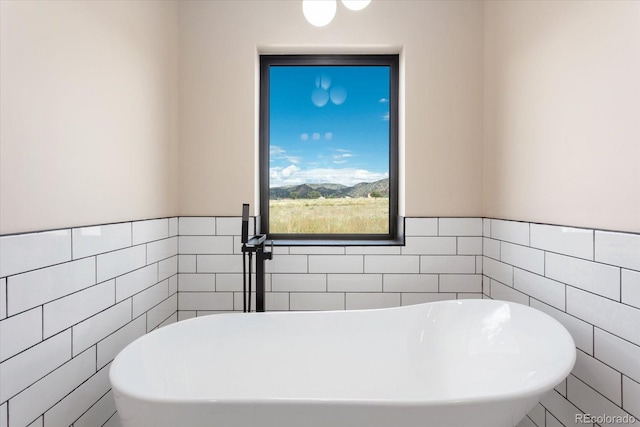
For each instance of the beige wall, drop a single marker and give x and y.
(441, 46)
(562, 112)
(88, 113)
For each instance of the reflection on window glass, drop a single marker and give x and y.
(329, 149)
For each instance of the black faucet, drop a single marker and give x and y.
(251, 245)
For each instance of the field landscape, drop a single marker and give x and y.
(345, 215)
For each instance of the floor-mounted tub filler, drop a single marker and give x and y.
(451, 363)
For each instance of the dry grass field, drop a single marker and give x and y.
(313, 216)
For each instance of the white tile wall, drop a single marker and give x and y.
(26, 252)
(60, 324)
(62, 337)
(589, 280)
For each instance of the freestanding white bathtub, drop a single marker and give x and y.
(452, 363)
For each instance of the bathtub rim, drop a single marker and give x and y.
(491, 398)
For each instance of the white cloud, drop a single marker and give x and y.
(344, 176)
(383, 100)
(385, 117)
(278, 153)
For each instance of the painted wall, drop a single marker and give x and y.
(88, 116)
(562, 112)
(441, 47)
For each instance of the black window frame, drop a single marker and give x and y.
(395, 236)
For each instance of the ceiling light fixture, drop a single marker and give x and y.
(321, 12)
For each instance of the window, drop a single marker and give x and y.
(329, 148)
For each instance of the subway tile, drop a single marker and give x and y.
(196, 282)
(391, 264)
(421, 226)
(486, 227)
(410, 283)
(317, 250)
(631, 287)
(25, 252)
(65, 312)
(501, 292)
(173, 318)
(619, 319)
(445, 264)
(526, 422)
(173, 226)
(225, 263)
(150, 297)
(581, 331)
(631, 393)
(109, 347)
(599, 376)
(354, 283)
(119, 262)
(369, 300)
(232, 282)
(187, 263)
(546, 290)
(497, 270)
(173, 284)
(590, 276)
(460, 283)
(232, 226)
(98, 327)
(205, 245)
(469, 295)
(411, 298)
(168, 268)
(161, 313)
(196, 226)
(491, 248)
(522, 257)
(373, 250)
(275, 301)
(136, 281)
(429, 246)
(590, 401)
(162, 249)
(99, 412)
(29, 366)
(577, 242)
(185, 315)
(621, 249)
(150, 230)
(317, 301)
(69, 409)
(620, 354)
(561, 408)
(537, 415)
(510, 231)
(336, 263)
(20, 332)
(238, 304)
(205, 301)
(4, 414)
(469, 246)
(287, 264)
(35, 400)
(114, 421)
(34, 288)
(98, 239)
(299, 282)
(3, 298)
(460, 226)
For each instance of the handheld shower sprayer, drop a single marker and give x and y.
(249, 246)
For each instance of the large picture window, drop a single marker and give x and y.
(329, 147)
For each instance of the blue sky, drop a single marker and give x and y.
(328, 124)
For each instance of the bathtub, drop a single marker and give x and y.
(451, 363)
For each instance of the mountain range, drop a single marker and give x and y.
(314, 191)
